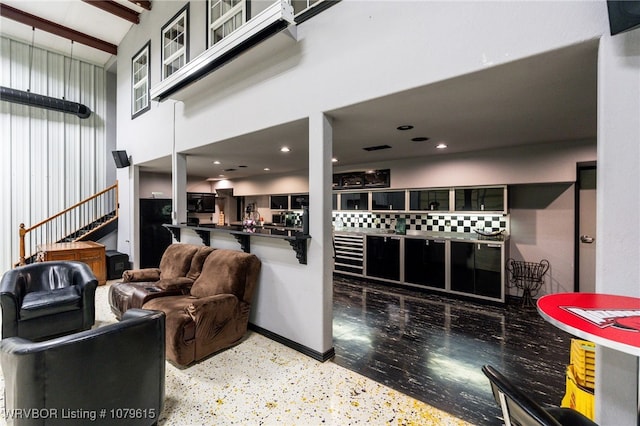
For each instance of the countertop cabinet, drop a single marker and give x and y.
(476, 269)
(383, 257)
(425, 262)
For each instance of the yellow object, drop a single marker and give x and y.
(221, 218)
(583, 359)
(577, 397)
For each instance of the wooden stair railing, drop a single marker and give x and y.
(72, 224)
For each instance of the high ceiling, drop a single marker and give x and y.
(85, 17)
(548, 98)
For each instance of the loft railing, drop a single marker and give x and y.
(72, 224)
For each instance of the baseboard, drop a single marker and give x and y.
(318, 356)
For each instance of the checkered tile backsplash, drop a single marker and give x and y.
(439, 222)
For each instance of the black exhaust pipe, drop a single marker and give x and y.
(40, 101)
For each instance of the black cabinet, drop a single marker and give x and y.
(383, 257)
(279, 202)
(299, 200)
(354, 201)
(201, 202)
(388, 200)
(429, 199)
(476, 268)
(479, 199)
(424, 262)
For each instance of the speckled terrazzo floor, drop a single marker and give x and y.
(261, 382)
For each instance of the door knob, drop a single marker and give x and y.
(586, 239)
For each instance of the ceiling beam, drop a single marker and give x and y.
(142, 3)
(116, 9)
(57, 29)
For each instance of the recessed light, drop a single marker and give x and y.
(216, 162)
(405, 127)
(334, 160)
(285, 149)
(420, 139)
(441, 146)
(266, 169)
(220, 175)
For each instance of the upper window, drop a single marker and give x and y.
(175, 50)
(224, 17)
(301, 5)
(140, 81)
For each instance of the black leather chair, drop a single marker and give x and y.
(519, 409)
(47, 299)
(114, 374)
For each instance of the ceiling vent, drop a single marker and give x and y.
(41, 101)
(272, 20)
(376, 148)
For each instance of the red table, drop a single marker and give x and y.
(608, 320)
(605, 319)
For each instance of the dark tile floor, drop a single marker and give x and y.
(432, 347)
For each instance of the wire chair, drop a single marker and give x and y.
(528, 277)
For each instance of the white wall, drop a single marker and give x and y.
(49, 160)
(347, 54)
(542, 227)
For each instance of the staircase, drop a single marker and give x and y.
(90, 219)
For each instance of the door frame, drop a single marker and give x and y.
(580, 166)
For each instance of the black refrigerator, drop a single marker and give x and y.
(154, 238)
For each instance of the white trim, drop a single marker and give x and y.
(279, 11)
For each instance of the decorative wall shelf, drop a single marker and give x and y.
(296, 239)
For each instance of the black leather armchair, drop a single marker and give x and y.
(114, 374)
(47, 299)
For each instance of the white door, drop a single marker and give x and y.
(587, 230)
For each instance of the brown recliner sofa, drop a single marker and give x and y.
(180, 266)
(215, 313)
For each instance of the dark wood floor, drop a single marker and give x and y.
(432, 347)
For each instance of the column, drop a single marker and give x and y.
(320, 228)
(617, 248)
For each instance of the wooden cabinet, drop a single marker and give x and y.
(89, 252)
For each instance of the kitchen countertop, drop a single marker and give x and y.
(453, 236)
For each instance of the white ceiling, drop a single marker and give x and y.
(548, 98)
(74, 14)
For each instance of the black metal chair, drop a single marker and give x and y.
(46, 299)
(519, 409)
